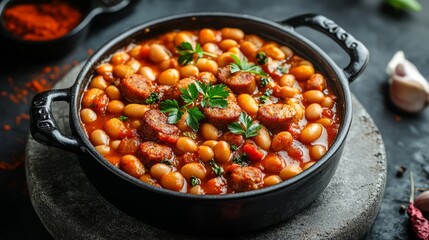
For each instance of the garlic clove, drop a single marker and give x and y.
(408, 89)
(422, 201)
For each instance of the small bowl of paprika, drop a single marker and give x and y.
(49, 28)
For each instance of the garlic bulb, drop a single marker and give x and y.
(408, 89)
(422, 201)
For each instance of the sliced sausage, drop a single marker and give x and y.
(221, 117)
(276, 117)
(242, 179)
(156, 128)
(136, 88)
(151, 153)
(239, 82)
(233, 139)
(174, 92)
(95, 99)
(129, 146)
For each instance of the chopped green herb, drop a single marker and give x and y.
(242, 160)
(153, 98)
(122, 118)
(243, 65)
(234, 147)
(264, 81)
(282, 69)
(187, 53)
(195, 181)
(265, 96)
(166, 162)
(212, 96)
(172, 108)
(216, 168)
(411, 5)
(245, 126)
(192, 135)
(261, 57)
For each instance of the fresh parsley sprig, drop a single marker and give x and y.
(242, 160)
(212, 96)
(264, 97)
(187, 53)
(216, 168)
(245, 126)
(153, 98)
(195, 181)
(244, 66)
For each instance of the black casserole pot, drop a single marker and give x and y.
(231, 213)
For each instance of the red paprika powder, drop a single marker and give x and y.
(41, 22)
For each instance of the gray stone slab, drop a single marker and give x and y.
(71, 208)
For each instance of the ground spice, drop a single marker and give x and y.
(6, 127)
(41, 22)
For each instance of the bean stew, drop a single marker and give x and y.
(210, 111)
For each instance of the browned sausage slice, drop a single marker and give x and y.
(136, 88)
(174, 92)
(221, 117)
(156, 128)
(242, 179)
(276, 117)
(128, 146)
(239, 82)
(151, 153)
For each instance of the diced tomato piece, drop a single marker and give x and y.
(253, 152)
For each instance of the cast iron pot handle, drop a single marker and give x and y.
(42, 123)
(357, 52)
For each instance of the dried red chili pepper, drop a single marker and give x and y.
(418, 223)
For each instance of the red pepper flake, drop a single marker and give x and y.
(4, 93)
(37, 86)
(47, 69)
(10, 166)
(90, 51)
(13, 98)
(6, 127)
(418, 223)
(56, 69)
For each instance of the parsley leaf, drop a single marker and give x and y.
(195, 181)
(261, 57)
(245, 126)
(194, 116)
(282, 69)
(172, 108)
(264, 81)
(153, 98)
(243, 65)
(213, 95)
(187, 53)
(122, 118)
(189, 94)
(265, 96)
(234, 147)
(241, 160)
(216, 168)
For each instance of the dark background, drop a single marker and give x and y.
(381, 29)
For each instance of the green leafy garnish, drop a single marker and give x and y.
(212, 96)
(282, 69)
(261, 57)
(166, 162)
(243, 65)
(195, 181)
(245, 126)
(187, 53)
(216, 168)
(122, 118)
(264, 81)
(410, 5)
(265, 96)
(172, 108)
(242, 160)
(234, 147)
(153, 98)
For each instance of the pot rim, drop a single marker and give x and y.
(317, 167)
